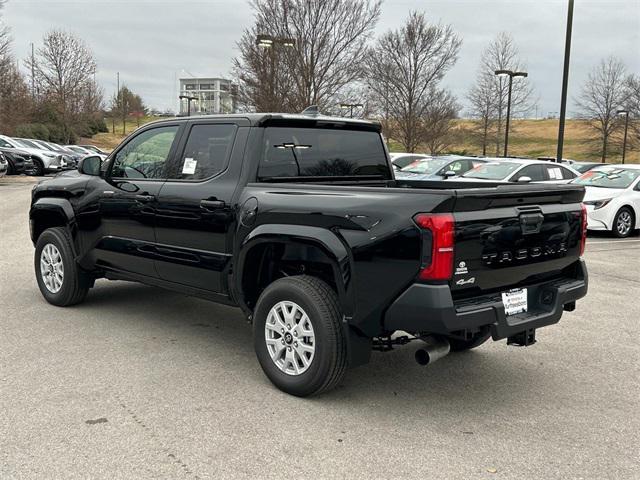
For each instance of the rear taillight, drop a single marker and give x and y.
(583, 239)
(438, 238)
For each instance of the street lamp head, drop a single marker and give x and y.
(503, 73)
(288, 42)
(622, 112)
(264, 41)
(520, 74)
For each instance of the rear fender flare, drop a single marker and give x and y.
(327, 241)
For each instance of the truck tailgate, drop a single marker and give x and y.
(507, 237)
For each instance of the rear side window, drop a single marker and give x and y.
(322, 152)
(534, 172)
(206, 152)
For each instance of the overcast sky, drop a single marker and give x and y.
(153, 42)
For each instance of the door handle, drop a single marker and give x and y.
(212, 204)
(145, 198)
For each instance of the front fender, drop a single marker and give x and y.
(326, 240)
(50, 212)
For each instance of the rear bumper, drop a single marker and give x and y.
(430, 308)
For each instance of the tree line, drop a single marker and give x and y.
(58, 99)
(323, 52)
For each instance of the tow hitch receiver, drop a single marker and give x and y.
(523, 339)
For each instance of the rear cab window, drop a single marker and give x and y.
(322, 152)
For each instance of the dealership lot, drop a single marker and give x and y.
(141, 383)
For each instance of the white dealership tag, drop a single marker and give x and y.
(515, 301)
(189, 167)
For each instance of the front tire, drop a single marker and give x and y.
(623, 222)
(298, 336)
(60, 279)
(38, 168)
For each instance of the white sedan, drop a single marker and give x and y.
(504, 170)
(612, 198)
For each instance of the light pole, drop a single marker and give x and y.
(189, 100)
(626, 126)
(351, 106)
(267, 41)
(510, 74)
(565, 82)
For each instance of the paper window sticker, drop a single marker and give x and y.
(189, 166)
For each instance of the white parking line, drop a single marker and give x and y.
(597, 242)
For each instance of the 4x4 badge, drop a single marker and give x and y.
(462, 281)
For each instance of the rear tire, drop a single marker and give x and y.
(458, 345)
(298, 317)
(60, 278)
(38, 168)
(623, 223)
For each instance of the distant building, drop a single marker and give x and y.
(213, 95)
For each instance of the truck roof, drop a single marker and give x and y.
(265, 119)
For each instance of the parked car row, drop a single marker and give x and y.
(38, 157)
(480, 169)
(612, 196)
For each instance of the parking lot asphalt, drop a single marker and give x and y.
(138, 382)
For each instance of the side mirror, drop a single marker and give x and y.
(449, 174)
(524, 179)
(90, 165)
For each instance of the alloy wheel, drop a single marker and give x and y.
(290, 338)
(623, 224)
(51, 268)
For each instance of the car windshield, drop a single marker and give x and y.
(583, 167)
(492, 171)
(46, 146)
(27, 144)
(608, 178)
(426, 165)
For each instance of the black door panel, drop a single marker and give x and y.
(195, 216)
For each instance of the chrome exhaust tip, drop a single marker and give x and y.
(434, 349)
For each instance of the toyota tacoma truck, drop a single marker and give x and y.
(299, 221)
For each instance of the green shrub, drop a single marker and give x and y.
(33, 130)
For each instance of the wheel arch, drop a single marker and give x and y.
(48, 213)
(266, 245)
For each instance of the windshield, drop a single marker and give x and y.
(427, 165)
(26, 144)
(45, 145)
(492, 171)
(322, 152)
(583, 167)
(608, 178)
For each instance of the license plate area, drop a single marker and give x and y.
(515, 301)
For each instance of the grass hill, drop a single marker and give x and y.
(527, 138)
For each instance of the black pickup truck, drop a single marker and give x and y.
(299, 221)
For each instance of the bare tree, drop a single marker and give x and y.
(602, 95)
(403, 70)
(483, 99)
(64, 69)
(502, 54)
(437, 121)
(124, 103)
(263, 76)
(329, 41)
(632, 103)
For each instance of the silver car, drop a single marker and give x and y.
(44, 161)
